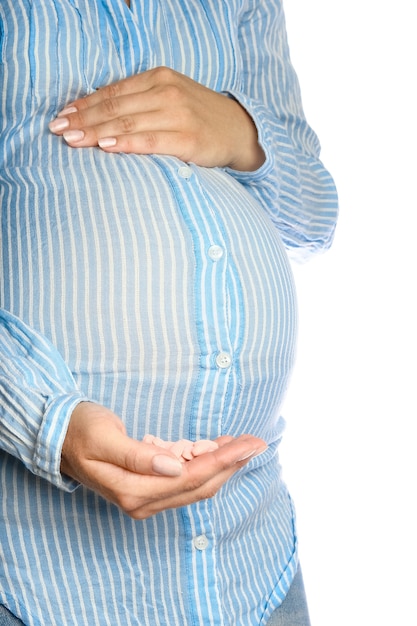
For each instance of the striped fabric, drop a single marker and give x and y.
(122, 279)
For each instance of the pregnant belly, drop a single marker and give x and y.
(143, 278)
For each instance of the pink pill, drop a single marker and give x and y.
(180, 448)
(187, 453)
(157, 441)
(204, 445)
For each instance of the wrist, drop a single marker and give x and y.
(251, 161)
(248, 153)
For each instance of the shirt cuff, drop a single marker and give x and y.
(257, 113)
(51, 436)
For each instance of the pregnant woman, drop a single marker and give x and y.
(155, 170)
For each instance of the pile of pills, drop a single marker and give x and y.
(184, 449)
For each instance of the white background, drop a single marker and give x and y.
(349, 450)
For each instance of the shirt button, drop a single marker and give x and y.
(215, 252)
(201, 542)
(185, 172)
(223, 360)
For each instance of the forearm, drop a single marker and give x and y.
(37, 397)
(247, 153)
(292, 185)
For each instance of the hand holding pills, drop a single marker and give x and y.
(146, 477)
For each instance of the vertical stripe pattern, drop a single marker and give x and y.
(159, 289)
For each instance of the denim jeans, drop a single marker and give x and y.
(7, 618)
(292, 612)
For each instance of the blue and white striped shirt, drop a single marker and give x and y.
(123, 277)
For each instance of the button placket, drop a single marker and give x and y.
(211, 249)
(201, 542)
(185, 171)
(223, 360)
(215, 252)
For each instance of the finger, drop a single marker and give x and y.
(125, 87)
(142, 92)
(116, 101)
(105, 98)
(228, 457)
(235, 450)
(223, 439)
(138, 457)
(202, 478)
(143, 132)
(123, 109)
(137, 83)
(182, 145)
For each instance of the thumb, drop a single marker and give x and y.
(139, 457)
(96, 434)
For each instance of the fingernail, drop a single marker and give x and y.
(67, 111)
(166, 466)
(58, 124)
(247, 455)
(253, 453)
(73, 136)
(107, 142)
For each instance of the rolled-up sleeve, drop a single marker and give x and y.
(37, 397)
(293, 185)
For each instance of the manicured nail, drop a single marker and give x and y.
(58, 124)
(253, 453)
(107, 142)
(73, 136)
(247, 455)
(67, 111)
(166, 466)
